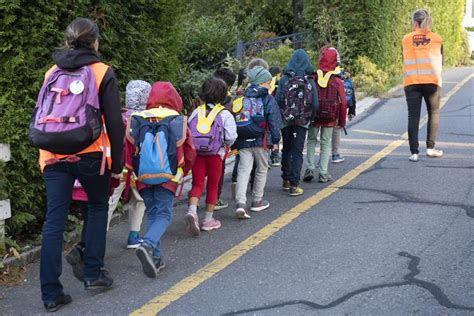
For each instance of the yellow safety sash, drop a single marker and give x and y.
(204, 122)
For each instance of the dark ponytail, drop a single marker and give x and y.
(81, 32)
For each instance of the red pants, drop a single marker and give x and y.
(210, 166)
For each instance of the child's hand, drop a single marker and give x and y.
(275, 147)
(350, 117)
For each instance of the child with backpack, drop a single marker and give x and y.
(136, 96)
(229, 78)
(213, 131)
(161, 153)
(258, 117)
(298, 102)
(351, 106)
(331, 113)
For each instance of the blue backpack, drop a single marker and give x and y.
(349, 91)
(251, 120)
(154, 158)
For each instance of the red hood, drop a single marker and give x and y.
(328, 59)
(165, 95)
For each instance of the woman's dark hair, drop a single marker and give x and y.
(227, 75)
(81, 32)
(242, 76)
(213, 90)
(274, 70)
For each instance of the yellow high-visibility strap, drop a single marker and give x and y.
(204, 123)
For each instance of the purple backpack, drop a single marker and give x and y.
(67, 116)
(296, 102)
(207, 130)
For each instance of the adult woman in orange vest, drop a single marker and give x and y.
(92, 166)
(422, 65)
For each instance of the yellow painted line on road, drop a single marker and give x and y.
(365, 131)
(160, 302)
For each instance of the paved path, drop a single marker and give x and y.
(388, 237)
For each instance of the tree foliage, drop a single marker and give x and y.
(140, 39)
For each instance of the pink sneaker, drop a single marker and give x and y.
(210, 225)
(192, 223)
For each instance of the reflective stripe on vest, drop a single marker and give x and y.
(422, 59)
(99, 70)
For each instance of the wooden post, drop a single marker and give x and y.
(5, 210)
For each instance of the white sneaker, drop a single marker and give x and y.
(433, 152)
(413, 158)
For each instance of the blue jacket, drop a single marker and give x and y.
(301, 66)
(272, 117)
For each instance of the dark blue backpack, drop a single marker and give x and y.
(251, 121)
(349, 91)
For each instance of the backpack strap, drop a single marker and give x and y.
(204, 122)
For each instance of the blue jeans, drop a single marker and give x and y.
(59, 180)
(292, 153)
(159, 209)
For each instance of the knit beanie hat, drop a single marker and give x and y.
(258, 75)
(136, 95)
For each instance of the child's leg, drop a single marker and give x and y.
(311, 147)
(199, 175)
(136, 210)
(326, 134)
(336, 140)
(245, 168)
(236, 168)
(261, 169)
(221, 180)
(159, 204)
(113, 201)
(213, 171)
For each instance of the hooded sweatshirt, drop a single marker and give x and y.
(164, 95)
(109, 99)
(328, 61)
(301, 66)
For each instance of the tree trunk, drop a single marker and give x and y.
(298, 18)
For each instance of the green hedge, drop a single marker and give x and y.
(140, 39)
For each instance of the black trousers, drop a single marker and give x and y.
(414, 95)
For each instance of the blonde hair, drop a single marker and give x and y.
(421, 18)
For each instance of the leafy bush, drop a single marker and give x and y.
(281, 56)
(140, 39)
(369, 77)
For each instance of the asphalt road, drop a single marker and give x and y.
(391, 238)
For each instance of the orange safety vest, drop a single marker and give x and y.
(101, 144)
(422, 58)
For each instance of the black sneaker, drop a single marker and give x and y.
(75, 258)
(308, 175)
(102, 282)
(275, 160)
(159, 264)
(59, 302)
(286, 185)
(145, 255)
(324, 178)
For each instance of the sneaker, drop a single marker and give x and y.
(220, 205)
(102, 282)
(337, 158)
(241, 211)
(308, 175)
(286, 185)
(192, 223)
(413, 158)
(159, 264)
(258, 206)
(75, 258)
(275, 161)
(433, 152)
(210, 225)
(324, 178)
(233, 190)
(60, 301)
(133, 241)
(295, 191)
(145, 255)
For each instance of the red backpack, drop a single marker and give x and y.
(329, 102)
